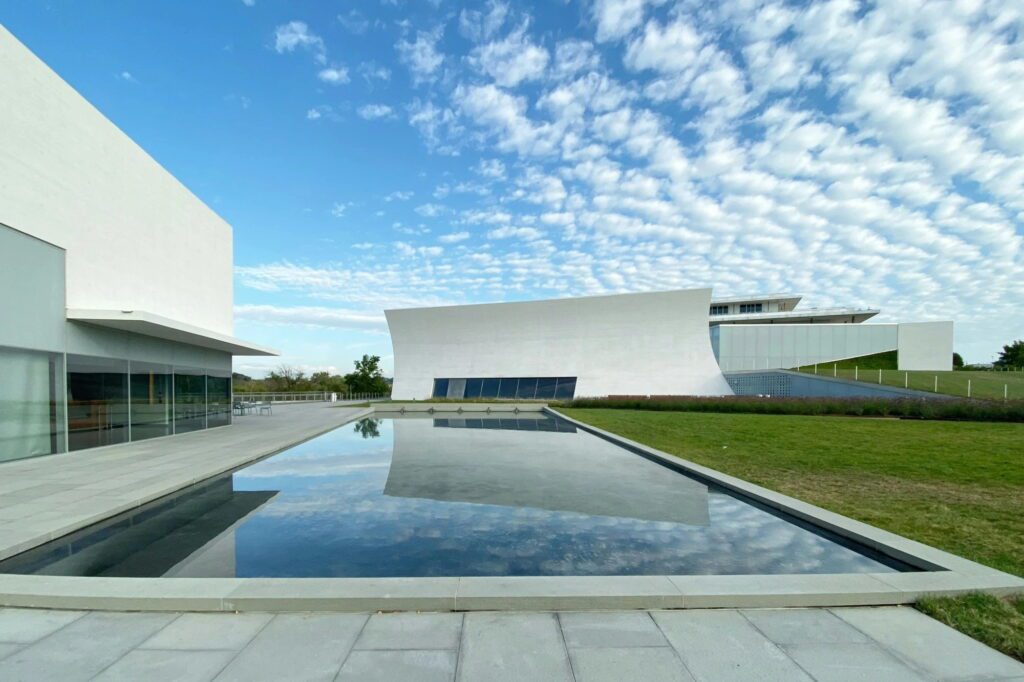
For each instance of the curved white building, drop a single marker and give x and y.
(626, 344)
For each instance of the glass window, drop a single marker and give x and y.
(546, 388)
(31, 403)
(97, 401)
(507, 389)
(456, 389)
(566, 388)
(189, 399)
(151, 397)
(527, 389)
(440, 388)
(473, 387)
(490, 388)
(719, 310)
(218, 400)
(751, 307)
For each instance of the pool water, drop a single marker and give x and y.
(425, 496)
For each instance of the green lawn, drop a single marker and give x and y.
(958, 486)
(988, 385)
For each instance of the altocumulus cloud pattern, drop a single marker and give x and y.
(860, 153)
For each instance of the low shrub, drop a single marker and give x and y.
(904, 408)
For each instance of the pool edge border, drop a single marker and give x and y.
(957, 575)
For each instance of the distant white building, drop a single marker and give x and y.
(116, 318)
(771, 332)
(635, 344)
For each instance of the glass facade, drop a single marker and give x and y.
(189, 399)
(97, 401)
(218, 400)
(719, 310)
(508, 388)
(31, 403)
(152, 400)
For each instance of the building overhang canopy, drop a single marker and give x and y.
(805, 316)
(150, 324)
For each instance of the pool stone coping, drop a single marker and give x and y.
(955, 575)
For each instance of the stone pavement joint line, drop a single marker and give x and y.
(863, 643)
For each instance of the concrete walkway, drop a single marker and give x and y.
(46, 497)
(884, 643)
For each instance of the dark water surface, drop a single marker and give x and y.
(421, 496)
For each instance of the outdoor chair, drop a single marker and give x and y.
(266, 408)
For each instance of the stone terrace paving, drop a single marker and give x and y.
(882, 643)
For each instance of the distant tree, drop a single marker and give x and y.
(958, 361)
(1012, 355)
(367, 378)
(286, 378)
(325, 381)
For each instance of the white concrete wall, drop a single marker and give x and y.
(636, 344)
(774, 346)
(136, 238)
(925, 345)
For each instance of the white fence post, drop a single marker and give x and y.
(879, 376)
(906, 380)
(936, 383)
(968, 388)
(856, 373)
(1004, 392)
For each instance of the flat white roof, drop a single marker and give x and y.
(794, 298)
(806, 313)
(150, 324)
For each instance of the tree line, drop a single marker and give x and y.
(367, 377)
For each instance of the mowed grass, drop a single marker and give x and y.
(985, 385)
(958, 486)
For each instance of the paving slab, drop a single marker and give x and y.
(602, 629)
(567, 593)
(650, 664)
(723, 645)
(941, 652)
(26, 626)
(197, 631)
(388, 666)
(7, 648)
(83, 648)
(804, 626)
(851, 662)
(297, 647)
(498, 647)
(411, 631)
(166, 666)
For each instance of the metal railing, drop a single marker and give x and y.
(305, 396)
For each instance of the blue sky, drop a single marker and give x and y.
(387, 154)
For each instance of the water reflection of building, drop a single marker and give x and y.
(191, 534)
(495, 461)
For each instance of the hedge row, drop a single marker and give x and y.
(961, 410)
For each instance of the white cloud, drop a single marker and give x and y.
(127, 76)
(313, 114)
(335, 75)
(509, 232)
(478, 26)
(249, 3)
(339, 208)
(371, 71)
(430, 210)
(616, 18)
(375, 111)
(491, 168)
(295, 35)
(316, 316)
(453, 237)
(421, 55)
(398, 196)
(573, 56)
(512, 60)
(354, 21)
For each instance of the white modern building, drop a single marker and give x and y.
(116, 316)
(637, 344)
(772, 332)
(626, 344)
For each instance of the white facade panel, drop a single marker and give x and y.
(136, 239)
(628, 344)
(778, 346)
(926, 345)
